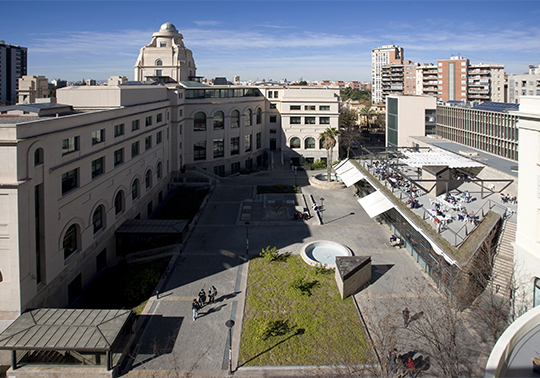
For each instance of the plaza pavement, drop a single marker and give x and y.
(170, 344)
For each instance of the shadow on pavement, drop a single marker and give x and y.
(379, 270)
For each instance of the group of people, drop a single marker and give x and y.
(507, 198)
(395, 241)
(200, 301)
(403, 365)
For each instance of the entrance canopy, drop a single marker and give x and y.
(348, 172)
(376, 203)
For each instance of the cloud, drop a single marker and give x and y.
(207, 23)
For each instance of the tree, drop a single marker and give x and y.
(347, 118)
(355, 95)
(329, 137)
(367, 113)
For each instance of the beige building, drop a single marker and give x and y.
(527, 84)
(380, 57)
(32, 89)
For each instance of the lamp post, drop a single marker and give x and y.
(230, 323)
(295, 167)
(321, 208)
(247, 238)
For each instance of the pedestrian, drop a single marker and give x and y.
(315, 207)
(212, 292)
(202, 297)
(195, 308)
(406, 313)
(410, 366)
(392, 361)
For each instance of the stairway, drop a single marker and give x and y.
(503, 265)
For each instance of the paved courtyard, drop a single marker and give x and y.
(170, 343)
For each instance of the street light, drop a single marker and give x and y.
(295, 167)
(321, 208)
(247, 238)
(230, 323)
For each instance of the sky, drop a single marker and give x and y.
(310, 40)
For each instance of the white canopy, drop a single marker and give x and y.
(375, 203)
(348, 172)
(437, 156)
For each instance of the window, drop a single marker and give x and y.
(324, 120)
(536, 300)
(199, 150)
(295, 142)
(159, 72)
(235, 167)
(273, 119)
(118, 157)
(38, 156)
(199, 122)
(273, 106)
(219, 120)
(309, 107)
(248, 117)
(159, 170)
(159, 117)
(309, 143)
(219, 148)
(118, 130)
(321, 144)
(98, 167)
(275, 94)
(180, 112)
(119, 202)
(148, 121)
(135, 190)
(258, 141)
(148, 179)
(70, 180)
(70, 145)
(270, 94)
(97, 219)
(295, 107)
(148, 142)
(259, 116)
(296, 120)
(235, 119)
(159, 62)
(247, 144)
(134, 149)
(324, 107)
(70, 241)
(235, 145)
(135, 125)
(309, 120)
(98, 136)
(159, 137)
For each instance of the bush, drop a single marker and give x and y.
(272, 328)
(319, 164)
(320, 269)
(270, 254)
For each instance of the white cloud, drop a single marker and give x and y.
(207, 23)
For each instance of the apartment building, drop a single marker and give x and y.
(380, 57)
(426, 80)
(527, 84)
(13, 66)
(485, 82)
(399, 79)
(32, 89)
(452, 79)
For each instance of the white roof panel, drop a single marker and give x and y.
(376, 203)
(348, 173)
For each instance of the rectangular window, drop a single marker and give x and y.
(159, 137)
(324, 120)
(296, 120)
(199, 150)
(309, 120)
(148, 121)
(273, 118)
(135, 125)
(219, 148)
(134, 149)
(98, 136)
(118, 157)
(309, 107)
(70, 180)
(273, 106)
(118, 130)
(295, 107)
(235, 145)
(324, 107)
(98, 167)
(247, 145)
(159, 117)
(70, 145)
(275, 94)
(148, 143)
(270, 93)
(258, 140)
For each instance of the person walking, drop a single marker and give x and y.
(195, 308)
(202, 297)
(406, 313)
(212, 292)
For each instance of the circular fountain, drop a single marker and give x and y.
(320, 181)
(324, 252)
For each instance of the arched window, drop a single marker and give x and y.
(38, 156)
(135, 189)
(119, 202)
(235, 119)
(536, 299)
(249, 117)
(159, 62)
(295, 142)
(219, 118)
(70, 241)
(148, 179)
(309, 143)
(321, 144)
(97, 219)
(159, 170)
(259, 116)
(199, 122)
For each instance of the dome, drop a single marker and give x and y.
(168, 27)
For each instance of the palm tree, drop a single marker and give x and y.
(367, 112)
(329, 136)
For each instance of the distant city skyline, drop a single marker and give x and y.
(315, 40)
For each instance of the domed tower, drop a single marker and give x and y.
(165, 57)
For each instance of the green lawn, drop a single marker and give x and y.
(317, 329)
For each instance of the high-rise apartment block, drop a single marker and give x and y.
(13, 61)
(399, 79)
(524, 85)
(380, 57)
(452, 79)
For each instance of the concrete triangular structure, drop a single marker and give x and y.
(352, 273)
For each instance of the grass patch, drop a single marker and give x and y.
(124, 286)
(294, 316)
(277, 189)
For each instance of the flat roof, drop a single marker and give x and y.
(65, 329)
(437, 157)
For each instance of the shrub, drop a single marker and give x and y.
(270, 254)
(318, 164)
(320, 269)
